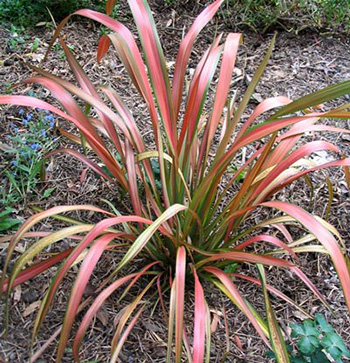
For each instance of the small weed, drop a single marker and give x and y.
(6, 222)
(17, 39)
(31, 137)
(35, 44)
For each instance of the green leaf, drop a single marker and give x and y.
(8, 223)
(309, 328)
(36, 169)
(335, 346)
(6, 212)
(308, 345)
(335, 352)
(298, 359)
(271, 354)
(48, 192)
(319, 357)
(231, 268)
(323, 325)
(106, 170)
(297, 330)
(315, 98)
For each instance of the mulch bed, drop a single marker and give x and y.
(300, 64)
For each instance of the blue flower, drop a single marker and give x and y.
(52, 123)
(12, 124)
(21, 111)
(14, 174)
(43, 132)
(39, 109)
(34, 146)
(49, 117)
(14, 163)
(15, 129)
(24, 141)
(29, 116)
(47, 112)
(25, 121)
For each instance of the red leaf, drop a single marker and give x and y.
(100, 299)
(185, 50)
(199, 321)
(230, 286)
(103, 46)
(110, 6)
(180, 274)
(324, 237)
(78, 289)
(37, 269)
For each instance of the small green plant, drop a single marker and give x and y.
(315, 339)
(17, 38)
(6, 222)
(35, 44)
(31, 137)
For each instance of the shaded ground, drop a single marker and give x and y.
(299, 65)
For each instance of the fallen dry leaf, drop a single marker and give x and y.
(238, 342)
(298, 314)
(17, 293)
(102, 315)
(118, 316)
(214, 323)
(31, 308)
(168, 23)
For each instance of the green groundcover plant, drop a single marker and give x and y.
(188, 212)
(316, 338)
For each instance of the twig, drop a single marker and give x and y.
(40, 351)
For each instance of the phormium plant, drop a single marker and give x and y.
(189, 227)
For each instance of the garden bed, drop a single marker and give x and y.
(299, 65)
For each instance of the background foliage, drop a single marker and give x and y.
(28, 13)
(259, 15)
(262, 15)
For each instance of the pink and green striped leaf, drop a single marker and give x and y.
(180, 274)
(276, 338)
(323, 236)
(199, 321)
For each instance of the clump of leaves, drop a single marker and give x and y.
(193, 229)
(17, 38)
(261, 15)
(27, 14)
(315, 338)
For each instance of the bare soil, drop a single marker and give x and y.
(300, 64)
